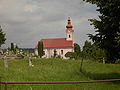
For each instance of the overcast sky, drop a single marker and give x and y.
(27, 21)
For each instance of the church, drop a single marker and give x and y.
(54, 47)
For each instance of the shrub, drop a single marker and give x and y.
(20, 56)
(70, 55)
(117, 61)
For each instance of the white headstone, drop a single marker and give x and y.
(5, 62)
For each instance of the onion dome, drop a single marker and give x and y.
(69, 23)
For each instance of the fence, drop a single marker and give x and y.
(65, 82)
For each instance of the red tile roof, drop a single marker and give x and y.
(56, 42)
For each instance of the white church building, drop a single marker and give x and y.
(58, 46)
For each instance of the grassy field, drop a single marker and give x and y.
(59, 70)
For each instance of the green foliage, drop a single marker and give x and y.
(40, 49)
(12, 47)
(92, 51)
(20, 55)
(59, 57)
(97, 53)
(107, 27)
(87, 49)
(77, 50)
(117, 61)
(16, 47)
(70, 55)
(2, 37)
(118, 42)
(8, 48)
(75, 54)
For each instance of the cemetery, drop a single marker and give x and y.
(52, 70)
(60, 45)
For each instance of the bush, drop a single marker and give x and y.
(70, 55)
(20, 56)
(59, 57)
(117, 61)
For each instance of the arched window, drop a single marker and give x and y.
(69, 36)
(61, 52)
(55, 52)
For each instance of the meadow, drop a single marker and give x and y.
(59, 70)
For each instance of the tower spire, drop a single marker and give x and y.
(69, 21)
(69, 25)
(69, 30)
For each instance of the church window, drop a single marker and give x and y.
(69, 36)
(61, 52)
(55, 53)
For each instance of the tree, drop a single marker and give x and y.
(107, 27)
(70, 55)
(75, 54)
(97, 53)
(12, 47)
(93, 52)
(40, 49)
(77, 50)
(2, 37)
(87, 49)
(118, 42)
(86, 53)
(16, 47)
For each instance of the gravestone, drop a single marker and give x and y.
(30, 61)
(103, 61)
(5, 62)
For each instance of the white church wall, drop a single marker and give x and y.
(49, 53)
(69, 35)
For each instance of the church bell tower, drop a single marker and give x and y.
(69, 30)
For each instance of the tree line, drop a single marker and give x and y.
(90, 51)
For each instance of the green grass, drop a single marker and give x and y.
(59, 70)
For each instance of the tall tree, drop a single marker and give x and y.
(2, 37)
(97, 53)
(16, 47)
(107, 27)
(40, 49)
(12, 46)
(93, 52)
(87, 49)
(77, 50)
